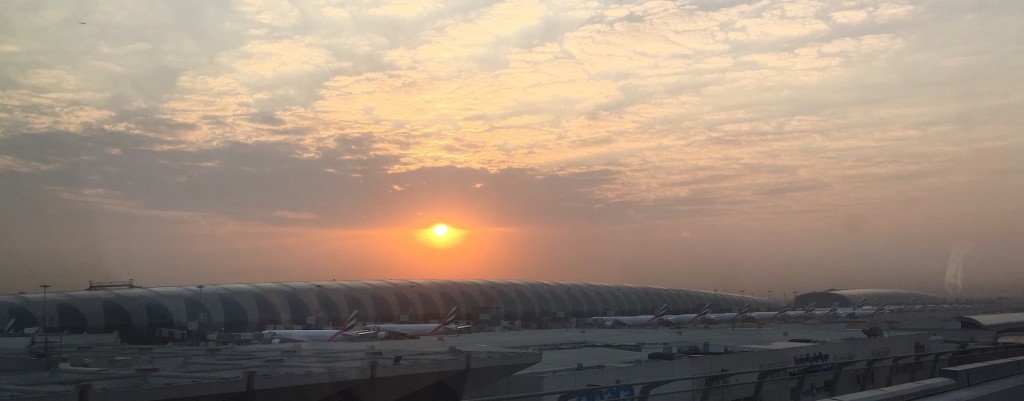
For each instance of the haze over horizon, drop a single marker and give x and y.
(717, 145)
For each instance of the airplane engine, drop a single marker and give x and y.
(382, 336)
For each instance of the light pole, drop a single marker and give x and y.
(569, 297)
(319, 309)
(200, 315)
(412, 308)
(494, 312)
(44, 287)
(46, 340)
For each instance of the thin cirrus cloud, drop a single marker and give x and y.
(663, 116)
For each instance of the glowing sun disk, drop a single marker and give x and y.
(440, 235)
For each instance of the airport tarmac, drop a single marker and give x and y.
(753, 337)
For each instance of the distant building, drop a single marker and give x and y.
(849, 298)
(138, 313)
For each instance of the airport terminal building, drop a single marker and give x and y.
(874, 297)
(918, 353)
(137, 313)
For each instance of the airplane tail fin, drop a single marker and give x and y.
(351, 322)
(661, 311)
(785, 308)
(743, 311)
(448, 319)
(860, 303)
(704, 310)
(809, 307)
(349, 325)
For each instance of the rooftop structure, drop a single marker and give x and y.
(1003, 322)
(849, 298)
(137, 313)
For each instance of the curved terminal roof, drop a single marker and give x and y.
(253, 307)
(849, 298)
(1003, 322)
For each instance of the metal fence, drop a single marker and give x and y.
(783, 383)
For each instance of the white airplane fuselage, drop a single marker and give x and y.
(719, 317)
(632, 321)
(410, 330)
(310, 335)
(762, 316)
(684, 318)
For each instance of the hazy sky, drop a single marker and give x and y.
(730, 145)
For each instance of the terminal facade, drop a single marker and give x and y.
(873, 297)
(137, 313)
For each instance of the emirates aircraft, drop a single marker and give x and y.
(688, 317)
(764, 317)
(797, 315)
(347, 332)
(847, 311)
(820, 313)
(631, 321)
(386, 331)
(725, 317)
(866, 311)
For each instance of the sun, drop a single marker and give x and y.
(440, 235)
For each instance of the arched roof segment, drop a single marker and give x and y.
(1002, 322)
(254, 306)
(849, 298)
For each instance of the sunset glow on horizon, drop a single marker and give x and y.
(795, 145)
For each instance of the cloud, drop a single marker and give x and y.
(287, 214)
(279, 14)
(522, 113)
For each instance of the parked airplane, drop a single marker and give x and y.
(765, 317)
(910, 306)
(688, 317)
(347, 332)
(821, 313)
(864, 312)
(386, 331)
(631, 321)
(725, 317)
(793, 315)
(856, 306)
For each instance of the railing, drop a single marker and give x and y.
(43, 345)
(795, 379)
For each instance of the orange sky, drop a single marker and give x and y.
(775, 145)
